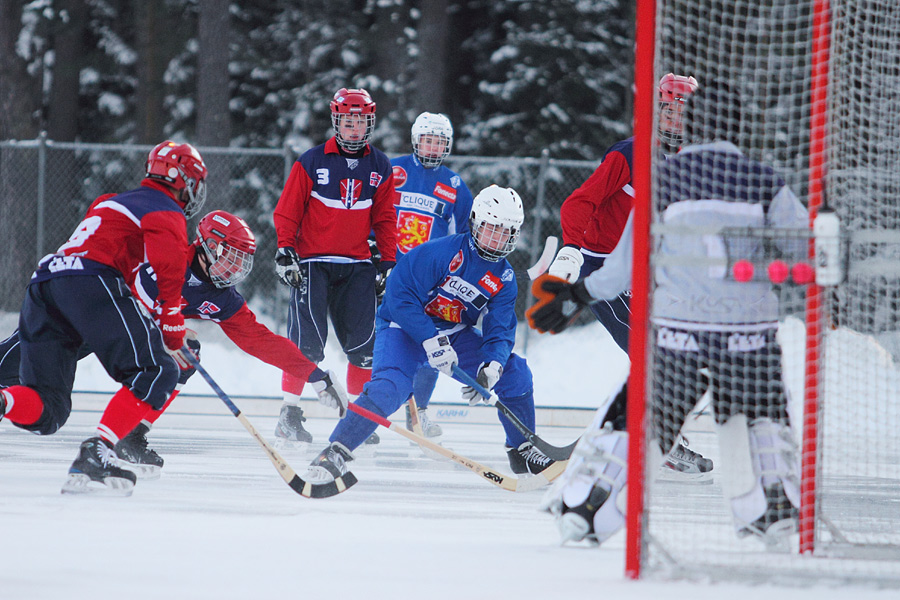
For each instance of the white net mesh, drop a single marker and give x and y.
(729, 267)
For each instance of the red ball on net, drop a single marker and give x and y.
(742, 270)
(803, 273)
(778, 271)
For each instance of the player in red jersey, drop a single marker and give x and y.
(335, 195)
(80, 295)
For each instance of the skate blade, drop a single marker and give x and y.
(79, 483)
(145, 472)
(667, 474)
(282, 444)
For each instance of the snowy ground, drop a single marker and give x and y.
(222, 524)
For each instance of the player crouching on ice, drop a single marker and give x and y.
(434, 298)
(219, 258)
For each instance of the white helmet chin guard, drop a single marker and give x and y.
(497, 217)
(436, 125)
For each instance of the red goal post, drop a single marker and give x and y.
(817, 81)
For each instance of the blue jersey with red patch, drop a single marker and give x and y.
(430, 203)
(445, 286)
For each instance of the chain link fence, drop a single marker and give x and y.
(46, 187)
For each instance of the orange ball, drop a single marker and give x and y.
(742, 270)
(778, 271)
(803, 273)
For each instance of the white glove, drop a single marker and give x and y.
(331, 393)
(567, 264)
(441, 354)
(488, 376)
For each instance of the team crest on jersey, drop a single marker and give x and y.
(457, 262)
(208, 308)
(491, 283)
(413, 230)
(446, 309)
(350, 191)
(374, 179)
(508, 275)
(400, 176)
(442, 190)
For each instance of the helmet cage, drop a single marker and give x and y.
(438, 126)
(496, 221)
(229, 246)
(349, 103)
(673, 91)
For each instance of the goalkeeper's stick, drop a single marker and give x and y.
(547, 256)
(553, 452)
(507, 482)
(304, 488)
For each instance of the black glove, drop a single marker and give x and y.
(287, 267)
(193, 344)
(559, 303)
(384, 269)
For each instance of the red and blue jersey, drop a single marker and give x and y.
(331, 202)
(226, 306)
(594, 215)
(119, 233)
(430, 203)
(445, 286)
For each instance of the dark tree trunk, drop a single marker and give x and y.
(68, 46)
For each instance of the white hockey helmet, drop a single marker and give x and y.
(438, 126)
(497, 217)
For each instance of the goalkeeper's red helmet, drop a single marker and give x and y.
(180, 167)
(353, 118)
(229, 244)
(673, 90)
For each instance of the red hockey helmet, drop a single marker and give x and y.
(353, 118)
(229, 244)
(673, 90)
(180, 167)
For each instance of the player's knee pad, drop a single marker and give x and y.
(516, 379)
(56, 411)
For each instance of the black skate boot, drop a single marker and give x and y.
(330, 464)
(372, 439)
(527, 459)
(685, 461)
(289, 431)
(135, 455)
(96, 471)
(779, 521)
(2, 404)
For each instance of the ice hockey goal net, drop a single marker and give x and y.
(819, 89)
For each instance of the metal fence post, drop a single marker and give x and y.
(538, 227)
(41, 195)
(288, 160)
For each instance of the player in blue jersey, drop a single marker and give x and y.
(434, 298)
(432, 202)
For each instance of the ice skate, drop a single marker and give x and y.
(2, 404)
(779, 521)
(135, 455)
(330, 464)
(587, 501)
(429, 428)
(96, 471)
(289, 432)
(372, 440)
(527, 459)
(684, 464)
